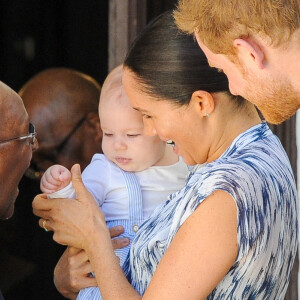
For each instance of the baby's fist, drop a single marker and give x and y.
(55, 178)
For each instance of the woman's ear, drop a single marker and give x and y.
(249, 52)
(203, 102)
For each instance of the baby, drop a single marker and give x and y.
(135, 174)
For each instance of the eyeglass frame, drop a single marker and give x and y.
(62, 144)
(32, 172)
(31, 135)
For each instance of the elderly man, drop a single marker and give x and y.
(17, 141)
(63, 105)
(255, 43)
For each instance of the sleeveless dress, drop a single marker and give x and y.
(256, 172)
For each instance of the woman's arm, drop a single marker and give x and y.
(202, 252)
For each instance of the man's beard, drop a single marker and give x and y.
(275, 98)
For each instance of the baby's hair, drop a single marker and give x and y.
(112, 89)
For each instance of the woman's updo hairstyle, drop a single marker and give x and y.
(169, 64)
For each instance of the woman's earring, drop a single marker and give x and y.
(207, 115)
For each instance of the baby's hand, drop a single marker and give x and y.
(55, 178)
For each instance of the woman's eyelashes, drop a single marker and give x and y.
(146, 116)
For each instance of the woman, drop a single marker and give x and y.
(231, 232)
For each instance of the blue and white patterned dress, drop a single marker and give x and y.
(256, 172)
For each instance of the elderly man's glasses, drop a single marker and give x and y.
(31, 136)
(63, 143)
(34, 172)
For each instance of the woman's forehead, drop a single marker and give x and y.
(140, 99)
(129, 78)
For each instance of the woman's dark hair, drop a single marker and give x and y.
(169, 64)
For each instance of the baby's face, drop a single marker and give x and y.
(123, 140)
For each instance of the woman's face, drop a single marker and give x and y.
(180, 124)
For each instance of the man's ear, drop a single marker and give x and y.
(203, 103)
(93, 123)
(249, 52)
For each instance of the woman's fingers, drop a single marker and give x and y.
(71, 273)
(41, 202)
(43, 224)
(116, 231)
(118, 243)
(72, 220)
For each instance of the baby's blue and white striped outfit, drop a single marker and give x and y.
(127, 198)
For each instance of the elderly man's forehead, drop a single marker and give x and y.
(7, 94)
(4, 90)
(11, 105)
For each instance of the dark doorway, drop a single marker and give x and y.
(39, 34)
(35, 35)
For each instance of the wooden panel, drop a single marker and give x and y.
(156, 7)
(126, 19)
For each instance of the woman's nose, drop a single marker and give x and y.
(149, 129)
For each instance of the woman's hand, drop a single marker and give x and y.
(72, 269)
(73, 221)
(81, 224)
(71, 273)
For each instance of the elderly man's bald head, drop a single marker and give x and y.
(63, 91)
(61, 102)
